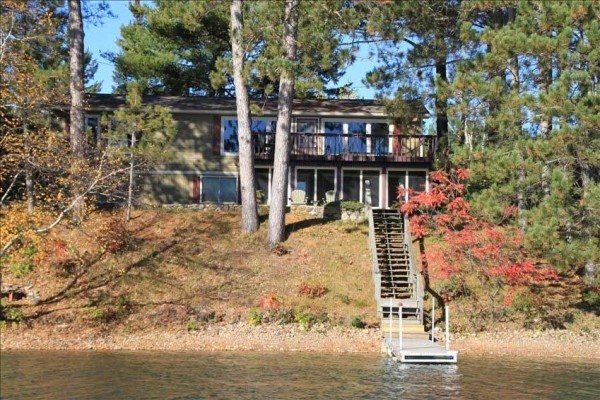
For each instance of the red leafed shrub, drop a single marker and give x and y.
(312, 291)
(59, 248)
(113, 235)
(269, 302)
(473, 258)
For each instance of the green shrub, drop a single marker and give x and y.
(592, 300)
(304, 318)
(351, 205)
(522, 303)
(9, 313)
(254, 317)
(20, 270)
(357, 322)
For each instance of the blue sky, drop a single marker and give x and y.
(104, 38)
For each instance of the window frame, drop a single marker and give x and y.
(315, 200)
(234, 118)
(368, 122)
(361, 182)
(406, 171)
(219, 176)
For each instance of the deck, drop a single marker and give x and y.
(351, 147)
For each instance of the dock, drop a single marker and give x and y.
(420, 351)
(399, 291)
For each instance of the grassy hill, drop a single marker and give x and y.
(174, 268)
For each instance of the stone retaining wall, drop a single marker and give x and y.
(316, 211)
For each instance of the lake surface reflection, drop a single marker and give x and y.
(229, 375)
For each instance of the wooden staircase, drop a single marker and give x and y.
(399, 290)
(397, 280)
(392, 255)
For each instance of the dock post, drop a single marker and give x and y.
(432, 319)
(447, 328)
(400, 324)
(390, 337)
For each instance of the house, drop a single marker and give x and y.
(336, 146)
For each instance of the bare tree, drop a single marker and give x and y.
(284, 121)
(77, 124)
(246, 154)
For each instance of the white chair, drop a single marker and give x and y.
(299, 197)
(329, 196)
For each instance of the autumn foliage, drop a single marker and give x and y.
(471, 257)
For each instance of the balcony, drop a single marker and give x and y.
(353, 148)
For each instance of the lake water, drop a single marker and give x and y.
(228, 375)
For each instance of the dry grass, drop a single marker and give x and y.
(176, 266)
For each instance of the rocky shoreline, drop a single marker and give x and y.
(292, 338)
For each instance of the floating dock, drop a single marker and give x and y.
(420, 351)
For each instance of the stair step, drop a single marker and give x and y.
(385, 326)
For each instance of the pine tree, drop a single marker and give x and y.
(529, 101)
(147, 132)
(284, 123)
(417, 45)
(246, 153)
(173, 46)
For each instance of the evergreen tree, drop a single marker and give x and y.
(528, 99)
(247, 179)
(172, 47)
(417, 46)
(284, 123)
(147, 132)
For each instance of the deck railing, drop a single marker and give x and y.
(351, 147)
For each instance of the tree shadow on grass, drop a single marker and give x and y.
(306, 223)
(78, 285)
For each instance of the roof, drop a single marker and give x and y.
(226, 105)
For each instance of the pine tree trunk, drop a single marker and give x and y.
(591, 267)
(282, 134)
(131, 169)
(441, 111)
(246, 151)
(76, 87)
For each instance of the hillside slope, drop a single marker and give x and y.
(174, 268)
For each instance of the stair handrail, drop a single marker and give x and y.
(372, 245)
(416, 275)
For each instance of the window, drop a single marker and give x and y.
(357, 141)
(396, 181)
(315, 182)
(263, 130)
(373, 177)
(356, 137)
(380, 138)
(417, 181)
(351, 185)
(334, 140)
(306, 128)
(92, 125)
(263, 185)
(231, 142)
(413, 180)
(219, 189)
(354, 188)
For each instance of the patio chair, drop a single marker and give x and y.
(299, 197)
(329, 196)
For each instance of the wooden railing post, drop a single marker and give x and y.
(432, 319)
